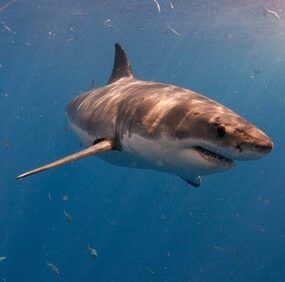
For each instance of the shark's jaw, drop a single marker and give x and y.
(215, 158)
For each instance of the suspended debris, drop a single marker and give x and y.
(2, 258)
(6, 5)
(68, 217)
(53, 267)
(174, 31)
(273, 13)
(93, 252)
(157, 6)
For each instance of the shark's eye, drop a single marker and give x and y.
(221, 131)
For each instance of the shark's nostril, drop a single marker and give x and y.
(263, 148)
(267, 147)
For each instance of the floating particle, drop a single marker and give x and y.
(107, 23)
(76, 13)
(92, 252)
(65, 198)
(5, 142)
(68, 217)
(149, 270)
(218, 248)
(53, 267)
(49, 196)
(265, 89)
(273, 13)
(2, 258)
(7, 5)
(174, 31)
(171, 5)
(157, 6)
(6, 27)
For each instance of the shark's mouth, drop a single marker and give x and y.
(214, 157)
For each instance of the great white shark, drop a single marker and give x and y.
(150, 125)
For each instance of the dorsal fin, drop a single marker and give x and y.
(122, 66)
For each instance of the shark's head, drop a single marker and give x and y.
(219, 136)
(213, 137)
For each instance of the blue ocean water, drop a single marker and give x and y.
(145, 225)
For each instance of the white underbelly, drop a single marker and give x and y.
(170, 155)
(163, 154)
(125, 159)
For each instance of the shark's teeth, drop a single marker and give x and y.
(213, 157)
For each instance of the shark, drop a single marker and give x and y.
(158, 126)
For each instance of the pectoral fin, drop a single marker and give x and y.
(194, 181)
(103, 146)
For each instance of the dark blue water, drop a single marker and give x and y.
(145, 225)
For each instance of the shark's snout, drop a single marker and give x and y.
(261, 149)
(259, 146)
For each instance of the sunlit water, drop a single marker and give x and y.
(144, 225)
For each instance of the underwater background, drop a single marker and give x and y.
(144, 225)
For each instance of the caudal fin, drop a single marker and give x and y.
(103, 146)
